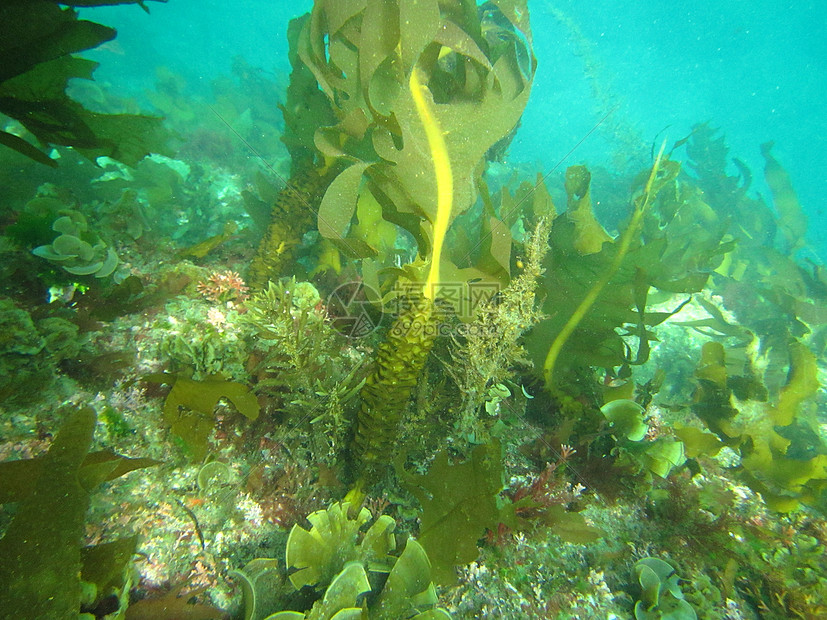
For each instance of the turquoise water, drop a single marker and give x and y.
(757, 70)
(359, 347)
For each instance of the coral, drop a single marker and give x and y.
(223, 286)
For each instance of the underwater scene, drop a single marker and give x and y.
(412, 309)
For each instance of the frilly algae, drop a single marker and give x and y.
(335, 555)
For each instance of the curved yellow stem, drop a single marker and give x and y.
(444, 177)
(594, 292)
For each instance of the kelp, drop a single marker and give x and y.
(306, 107)
(38, 40)
(778, 458)
(589, 234)
(175, 605)
(792, 221)
(775, 299)
(596, 300)
(476, 80)
(400, 359)
(43, 564)
(413, 87)
(751, 221)
(291, 216)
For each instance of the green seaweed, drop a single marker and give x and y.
(76, 249)
(31, 351)
(459, 502)
(657, 456)
(259, 581)
(318, 555)
(41, 549)
(661, 595)
(335, 555)
(190, 404)
(38, 40)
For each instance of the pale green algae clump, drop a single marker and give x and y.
(30, 350)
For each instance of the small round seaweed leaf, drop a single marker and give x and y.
(248, 578)
(661, 596)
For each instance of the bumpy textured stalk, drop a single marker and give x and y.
(399, 362)
(402, 356)
(292, 215)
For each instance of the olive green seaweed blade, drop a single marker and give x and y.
(40, 551)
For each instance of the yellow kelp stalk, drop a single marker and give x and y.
(292, 215)
(401, 357)
(641, 204)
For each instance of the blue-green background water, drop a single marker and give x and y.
(756, 69)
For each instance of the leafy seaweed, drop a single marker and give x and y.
(478, 82)
(670, 252)
(335, 555)
(41, 549)
(189, 407)
(36, 43)
(779, 459)
(459, 502)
